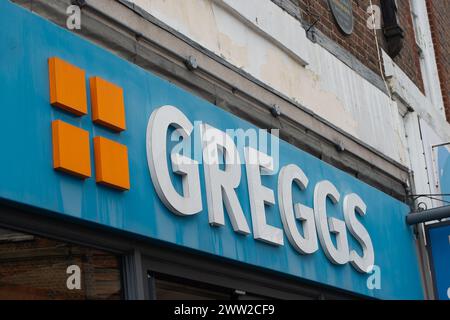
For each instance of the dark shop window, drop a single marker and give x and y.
(37, 268)
(165, 287)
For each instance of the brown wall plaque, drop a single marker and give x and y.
(343, 14)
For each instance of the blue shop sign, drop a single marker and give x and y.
(439, 249)
(285, 211)
(443, 156)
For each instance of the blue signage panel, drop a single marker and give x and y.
(439, 243)
(27, 175)
(443, 153)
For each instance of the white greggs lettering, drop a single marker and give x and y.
(221, 183)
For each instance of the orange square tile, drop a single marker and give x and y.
(108, 108)
(67, 86)
(71, 152)
(111, 163)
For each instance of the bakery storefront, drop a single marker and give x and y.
(117, 184)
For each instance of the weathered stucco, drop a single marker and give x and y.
(266, 42)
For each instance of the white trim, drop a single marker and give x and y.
(278, 27)
(409, 94)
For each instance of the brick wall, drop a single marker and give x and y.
(361, 43)
(439, 16)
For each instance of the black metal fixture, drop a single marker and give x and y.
(422, 214)
(428, 215)
(310, 27)
(392, 31)
(275, 110)
(80, 3)
(191, 63)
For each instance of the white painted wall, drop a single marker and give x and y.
(269, 44)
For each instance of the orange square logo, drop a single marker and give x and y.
(67, 87)
(111, 163)
(108, 107)
(71, 149)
